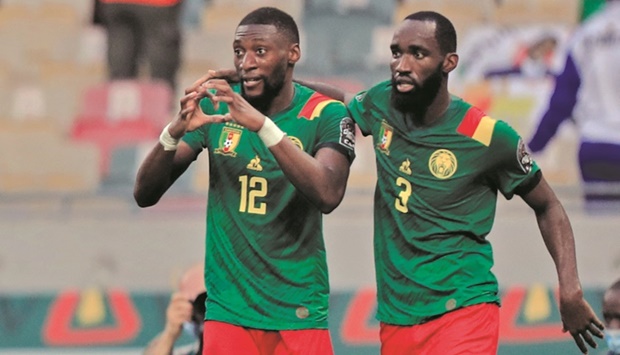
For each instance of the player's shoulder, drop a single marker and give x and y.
(312, 104)
(377, 96)
(475, 123)
(377, 91)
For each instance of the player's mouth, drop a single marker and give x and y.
(251, 83)
(404, 85)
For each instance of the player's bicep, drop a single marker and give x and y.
(336, 162)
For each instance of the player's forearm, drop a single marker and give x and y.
(558, 237)
(154, 176)
(323, 184)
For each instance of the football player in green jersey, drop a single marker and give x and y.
(440, 164)
(279, 156)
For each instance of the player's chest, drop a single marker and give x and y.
(233, 145)
(440, 156)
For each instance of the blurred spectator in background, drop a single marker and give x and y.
(185, 311)
(335, 29)
(588, 91)
(191, 15)
(532, 61)
(611, 316)
(137, 29)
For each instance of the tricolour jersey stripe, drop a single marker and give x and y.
(315, 104)
(477, 125)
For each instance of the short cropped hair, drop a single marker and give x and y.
(445, 34)
(282, 21)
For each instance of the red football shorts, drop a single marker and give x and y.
(225, 339)
(470, 330)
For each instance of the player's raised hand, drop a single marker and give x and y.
(230, 75)
(190, 116)
(239, 109)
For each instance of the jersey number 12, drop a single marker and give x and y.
(252, 188)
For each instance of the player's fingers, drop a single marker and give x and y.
(595, 330)
(217, 118)
(229, 75)
(598, 327)
(187, 110)
(199, 82)
(580, 343)
(218, 98)
(188, 97)
(588, 338)
(221, 86)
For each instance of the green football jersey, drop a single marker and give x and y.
(265, 264)
(435, 202)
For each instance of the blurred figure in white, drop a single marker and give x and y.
(588, 93)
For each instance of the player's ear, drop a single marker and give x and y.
(294, 53)
(450, 62)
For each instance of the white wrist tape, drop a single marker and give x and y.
(269, 133)
(167, 141)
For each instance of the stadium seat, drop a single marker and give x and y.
(122, 113)
(41, 161)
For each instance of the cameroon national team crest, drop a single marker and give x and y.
(386, 134)
(229, 139)
(442, 164)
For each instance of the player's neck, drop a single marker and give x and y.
(283, 100)
(428, 116)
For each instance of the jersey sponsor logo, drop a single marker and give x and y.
(255, 164)
(405, 167)
(386, 134)
(477, 125)
(314, 106)
(347, 133)
(297, 142)
(523, 157)
(442, 164)
(229, 139)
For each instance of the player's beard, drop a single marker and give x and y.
(272, 86)
(419, 99)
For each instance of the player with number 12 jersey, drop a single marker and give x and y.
(262, 265)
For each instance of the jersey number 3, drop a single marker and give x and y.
(401, 201)
(252, 188)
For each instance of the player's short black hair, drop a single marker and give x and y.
(282, 21)
(445, 34)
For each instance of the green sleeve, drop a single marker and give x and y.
(359, 107)
(516, 167)
(336, 130)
